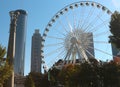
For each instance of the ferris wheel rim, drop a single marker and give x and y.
(52, 20)
(61, 12)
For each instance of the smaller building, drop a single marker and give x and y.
(36, 59)
(19, 80)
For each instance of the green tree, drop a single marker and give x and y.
(29, 81)
(35, 79)
(115, 29)
(88, 75)
(111, 75)
(69, 75)
(93, 74)
(5, 68)
(45, 82)
(75, 77)
(53, 75)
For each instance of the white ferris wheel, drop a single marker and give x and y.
(78, 31)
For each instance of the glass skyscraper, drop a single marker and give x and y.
(36, 52)
(20, 41)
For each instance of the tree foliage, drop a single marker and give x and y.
(111, 75)
(115, 29)
(88, 75)
(35, 79)
(69, 75)
(5, 68)
(94, 74)
(53, 75)
(29, 82)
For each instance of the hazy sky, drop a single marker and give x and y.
(39, 14)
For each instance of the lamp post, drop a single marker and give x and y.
(11, 46)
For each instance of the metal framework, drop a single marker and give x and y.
(71, 33)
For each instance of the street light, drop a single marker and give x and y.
(11, 46)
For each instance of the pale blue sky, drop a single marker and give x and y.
(39, 14)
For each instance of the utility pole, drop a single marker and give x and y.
(11, 47)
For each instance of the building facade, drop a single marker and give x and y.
(20, 41)
(115, 51)
(36, 52)
(19, 81)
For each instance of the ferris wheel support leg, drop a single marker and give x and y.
(81, 54)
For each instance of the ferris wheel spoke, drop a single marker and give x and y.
(68, 59)
(101, 34)
(99, 26)
(93, 22)
(68, 53)
(53, 37)
(102, 21)
(60, 32)
(82, 13)
(79, 21)
(100, 42)
(54, 51)
(90, 53)
(100, 51)
(81, 52)
(54, 44)
(56, 28)
(52, 61)
(86, 50)
(69, 24)
(60, 55)
(63, 26)
(74, 19)
(89, 15)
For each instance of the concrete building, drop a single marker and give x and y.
(19, 81)
(36, 52)
(20, 41)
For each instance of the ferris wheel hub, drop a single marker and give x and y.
(73, 40)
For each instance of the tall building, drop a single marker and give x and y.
(36, 52)
(20, 41)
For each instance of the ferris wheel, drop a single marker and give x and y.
(78, 31)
